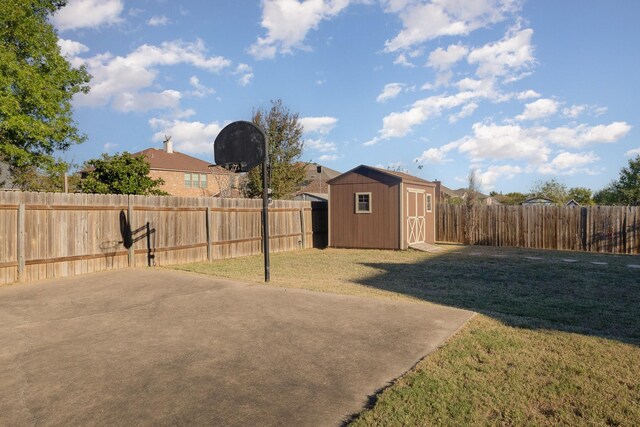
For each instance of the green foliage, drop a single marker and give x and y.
(607, 196)
(551, 189)
(284, 135)
(582, 195)
(36, 86)
(513, 198)
(120, 174)
(629, 182)
(50, 178)
(624, 191)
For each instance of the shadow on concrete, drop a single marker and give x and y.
(547, 293)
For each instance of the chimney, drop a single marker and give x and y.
(168, 144)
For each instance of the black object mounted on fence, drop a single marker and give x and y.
(240, 147)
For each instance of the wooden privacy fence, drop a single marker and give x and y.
(613, 229)
(46, 235)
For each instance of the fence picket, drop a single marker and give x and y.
(56, 235)
(613, 229)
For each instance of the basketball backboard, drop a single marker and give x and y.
(240, 146)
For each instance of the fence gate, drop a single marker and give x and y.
(415, 216)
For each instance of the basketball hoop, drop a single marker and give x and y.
(245, 145)
(227, 181)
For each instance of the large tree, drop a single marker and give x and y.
(551, 189)
(49, 178)
(36, 86)
(284, 133)
(624, 191)
(582, 195)
(120, 174)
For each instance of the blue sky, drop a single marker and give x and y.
(519, 91)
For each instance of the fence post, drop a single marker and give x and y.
(303, 228)
(208, 225)
(21, 243)
(131, 254)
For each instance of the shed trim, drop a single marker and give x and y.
(329, 216)
(369, 202)
(401, 217)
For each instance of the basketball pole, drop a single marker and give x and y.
(265, 216)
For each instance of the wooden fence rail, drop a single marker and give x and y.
(613, 229)
(44, 235)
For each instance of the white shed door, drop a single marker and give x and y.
(416, 204)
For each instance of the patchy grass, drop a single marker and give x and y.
(558, 342)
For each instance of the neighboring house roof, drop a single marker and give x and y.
(315, 183)
(312, 196)
(460, 192)
(175, 161)
(538, 201)
(399, 176)
(572, 203)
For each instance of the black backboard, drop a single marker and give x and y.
(240, 143)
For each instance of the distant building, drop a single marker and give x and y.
(538, 201)
(572, 203)
(446, 195)
(314, 187)
(186, 175)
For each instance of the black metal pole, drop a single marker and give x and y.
(265, 220)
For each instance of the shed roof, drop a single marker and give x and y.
(398, 176)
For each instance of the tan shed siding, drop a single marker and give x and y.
(378, 229)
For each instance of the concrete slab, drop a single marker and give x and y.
(425, 247)
(160, 347)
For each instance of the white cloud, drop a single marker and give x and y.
(435, 155)
(423, 21)
(527, 94)
(577, 110)
(328, 157)
(534, 145)
(199, 90)
(146, 101)
(246, 74)
(119, 80)
(288, 21)
(633, 152)
(489, 177)
(158, 21)
(513, 53)
(396, 125)
(574, 111)
(189, 137)
(320, 145)
(567, 163)
(582, 135)
(442, 59)
(539, 109)
(466, 111)
(71, 48)
(322, 125)
(402, 60)
(496, 142)
(108, 147)
(88, 14)
(390, 91)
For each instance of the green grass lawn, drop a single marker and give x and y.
(555, 342)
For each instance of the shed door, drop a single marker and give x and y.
(415, 216)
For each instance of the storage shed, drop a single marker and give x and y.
(380, 209)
